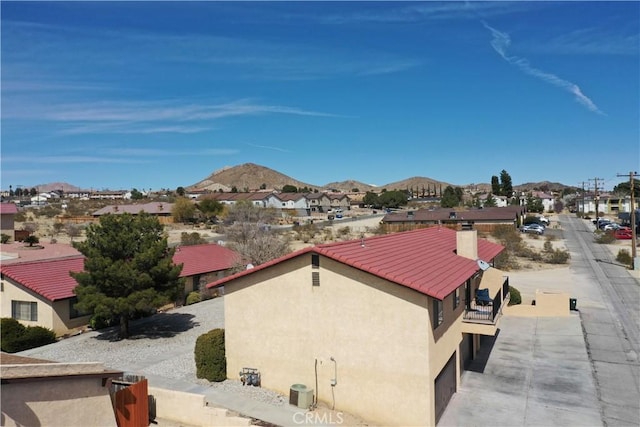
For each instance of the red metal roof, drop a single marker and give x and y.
(49, 278)
(8, 208)
(206, 258)
(424, 260)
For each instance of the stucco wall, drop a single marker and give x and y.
(378, 333)
(52, 315)
(68, 402)
(191, 409)
(18, 293)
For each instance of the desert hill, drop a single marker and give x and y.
(348, 186)
(248, 176)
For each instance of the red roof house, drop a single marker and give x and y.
(204, 263)
(386, 323)
(40, 293)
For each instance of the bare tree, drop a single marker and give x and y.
(73, 230)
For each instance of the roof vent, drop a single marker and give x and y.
(452, 215)
(410, 214)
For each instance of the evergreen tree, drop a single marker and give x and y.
(128, 269)
(495, 185)
(449, 198)
(490, 202)
(506, 185)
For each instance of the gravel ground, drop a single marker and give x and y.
(161, 345)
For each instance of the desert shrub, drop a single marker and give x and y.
(32, 240)
(547, 247)
(4, 238)
(604, 238)
(344, 231)
(211, 362)
(188, 239)
(624, 257)
(557, 256)
(17, 337)
(193, 298)
(21, 216)
(515, 298)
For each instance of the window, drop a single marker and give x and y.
(74, 312)
(315, 261)
(315, 278)
(456, 298)
(24, 310)
(438, 315)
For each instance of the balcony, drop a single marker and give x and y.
(483, 319)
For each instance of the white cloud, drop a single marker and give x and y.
(501, 42)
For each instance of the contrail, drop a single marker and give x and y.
(501, 42)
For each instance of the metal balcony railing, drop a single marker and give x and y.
(488, 313)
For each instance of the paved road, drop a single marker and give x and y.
(611, 327)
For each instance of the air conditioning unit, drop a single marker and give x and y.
(301, 396)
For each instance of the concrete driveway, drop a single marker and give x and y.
(538, 373)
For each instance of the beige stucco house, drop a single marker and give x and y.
(379, 327)
(42, 393)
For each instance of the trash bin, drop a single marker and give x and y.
(573, 303)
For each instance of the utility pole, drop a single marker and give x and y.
(583, 190)
(596, 197)
(636, 263)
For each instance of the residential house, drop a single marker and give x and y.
(256, 198)
(609, 204)
(339, 201)
(318, 202)
(38, 392)
(203, 264)
(548, 200)
(485, 220)
(8, 213)
(160, 210)
(37, 288)
(40, 293)
(379, 327)
(107, 195)
(295, 201)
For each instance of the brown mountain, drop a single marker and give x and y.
(348, 186)
(416, 182)
(248, 176)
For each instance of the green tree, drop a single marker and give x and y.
(136, 194)
(180, 191)
(371, 199)
(128, 268)
(495, 185)
(210, 207)
(183, 210)
(393, 199)
(289, 189)
(506, 185)
(450, 198)
(534, 204)
(624, 188)
(263, 186)
(32, 240)
(490, 202)
(234, 189)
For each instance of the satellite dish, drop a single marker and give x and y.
(249, 266)
(484, 266)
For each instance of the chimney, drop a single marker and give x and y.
(467, 243)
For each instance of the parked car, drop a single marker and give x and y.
(544, 220)
(612, 226)
(532, 228)
(622, 234)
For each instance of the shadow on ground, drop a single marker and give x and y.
(161, 325)
(486, 346)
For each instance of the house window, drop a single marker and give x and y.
(438, 314)
(315, 278)
(74, 312)
(456, 298)
(315, 261)
(24, 310)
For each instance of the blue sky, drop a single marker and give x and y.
(124, 95)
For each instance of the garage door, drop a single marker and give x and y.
(445, 386)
